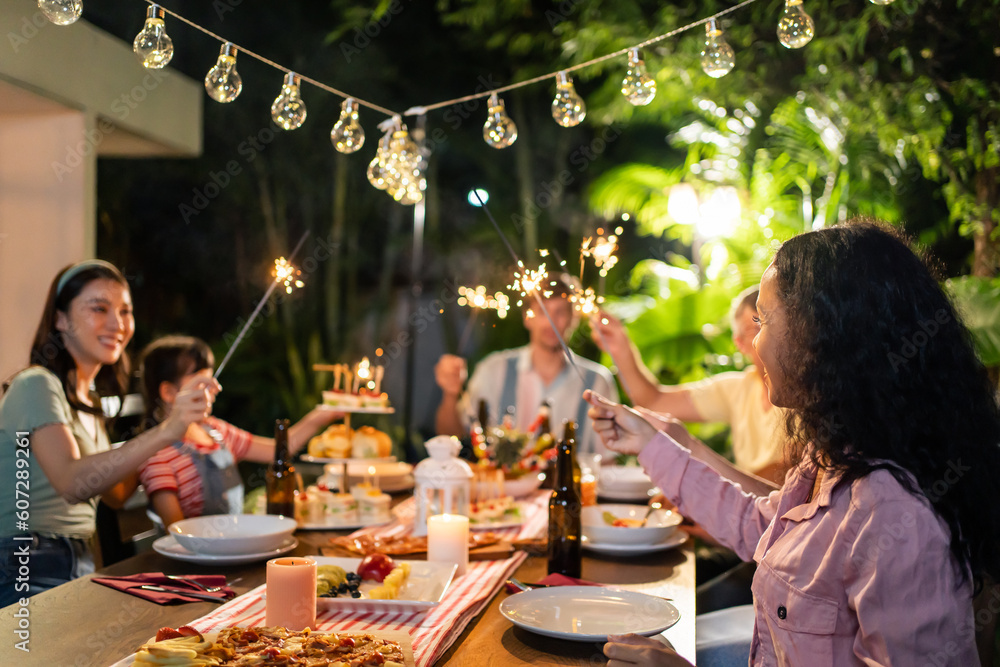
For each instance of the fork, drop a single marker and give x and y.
(199, 585)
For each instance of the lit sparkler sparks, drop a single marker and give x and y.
(602, 250)
(478, 298)
(528, 281)
(287, 274)
(586, 301)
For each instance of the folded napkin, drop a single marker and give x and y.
(556, 579)
(131, 584)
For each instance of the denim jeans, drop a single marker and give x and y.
(28, 567)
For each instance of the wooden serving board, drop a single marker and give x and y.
(402, 638)
(497, 551)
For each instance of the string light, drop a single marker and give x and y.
(61, 12)
(223, 82)
(638, 87)
(347, 134)
(568, 108)
(795, 27)
(717, 58)
(153, 46)
(404, 178)
(285, 273)
(499, 131)
(288, 109)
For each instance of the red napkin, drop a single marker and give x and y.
(131, 584)
(556, 579)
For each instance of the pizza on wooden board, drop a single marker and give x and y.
(274, 647)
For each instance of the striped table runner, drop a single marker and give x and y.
(432, 632)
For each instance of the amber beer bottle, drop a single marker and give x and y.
(565, 528)
(281, 480)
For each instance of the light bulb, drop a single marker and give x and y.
(288, 110)
(499, 131)
(404, 155)
(638, 87)
(376, 168)
(795, 28)
(152, 45)
(717, 56)
(347, 134)
(881, 2)
(61, 12)
(568, 108)
(223, 82)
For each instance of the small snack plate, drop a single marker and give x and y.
(325, 459)
(422, 591)
(588, 613)
(169, 547)
(346, 525)
(506, 520)
(358, 410)
(676, 538)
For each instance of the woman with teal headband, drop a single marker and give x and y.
(55, 458)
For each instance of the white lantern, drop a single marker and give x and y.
(442, 482)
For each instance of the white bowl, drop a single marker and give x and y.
(232, 534)
(658, 528)
(627, 481)
(523, 485)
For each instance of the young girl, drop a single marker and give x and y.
(872, 550)
(196, 474)
(55, 458)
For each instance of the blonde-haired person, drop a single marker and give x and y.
(54, 448)
(737, 398)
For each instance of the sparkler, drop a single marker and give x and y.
(530, 281)
(538, 296)
(279, 278)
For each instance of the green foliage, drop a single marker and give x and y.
(978, 303)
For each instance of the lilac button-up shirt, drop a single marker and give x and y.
(861, 575)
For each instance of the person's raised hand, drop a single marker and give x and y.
(609, 334)
(627, 650)
(450, 373)
(192, 404)
(668, 424)
(620, 428)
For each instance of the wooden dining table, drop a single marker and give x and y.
(85, 624)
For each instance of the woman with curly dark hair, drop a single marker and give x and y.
(871, 552)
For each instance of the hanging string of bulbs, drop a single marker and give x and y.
(399, 163)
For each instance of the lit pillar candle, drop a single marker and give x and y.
(291, 593)
(448, 540)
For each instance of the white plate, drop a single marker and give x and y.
(369, 410)
(588, 613)
(344, 525)
(677, 538)
(423, 589)
(507, 521)
(169, 547)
